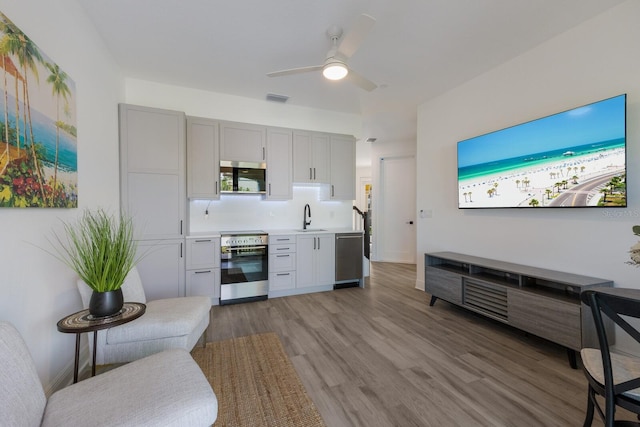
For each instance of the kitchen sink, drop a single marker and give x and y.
(310, 230)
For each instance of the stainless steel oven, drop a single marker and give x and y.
(244, 266)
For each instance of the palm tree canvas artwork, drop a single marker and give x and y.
(38, 142)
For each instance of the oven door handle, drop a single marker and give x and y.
(231, 248)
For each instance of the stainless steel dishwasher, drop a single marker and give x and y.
(348, 259)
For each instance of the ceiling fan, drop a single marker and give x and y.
(335, 65)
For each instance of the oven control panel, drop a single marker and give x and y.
(231, 241)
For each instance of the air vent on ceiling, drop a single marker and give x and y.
(277, 98)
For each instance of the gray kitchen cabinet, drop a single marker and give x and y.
(311, 157)
(152, 170)
(162, 268)
(315, 260)
(282, 264)
(203, 267)
(542, 302)
(279, 164)
(153, 193)
(242, 142)
(203, 159)
(342, 168)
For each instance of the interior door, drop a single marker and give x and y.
(397, 209)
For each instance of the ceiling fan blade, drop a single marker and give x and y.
(352, 40)
(360, 81)
(295, 71)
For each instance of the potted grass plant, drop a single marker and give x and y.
(100, 248)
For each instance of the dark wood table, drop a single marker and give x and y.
(82, 321)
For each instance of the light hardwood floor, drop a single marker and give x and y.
(380, 356)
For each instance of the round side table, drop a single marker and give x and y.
(82, 321)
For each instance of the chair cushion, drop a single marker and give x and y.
(625, 368)
(163, 318)
(22, 399)
(165, 389)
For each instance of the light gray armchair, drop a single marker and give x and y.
(165, 389)
(166, 323)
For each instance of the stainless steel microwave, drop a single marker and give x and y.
(242, 177)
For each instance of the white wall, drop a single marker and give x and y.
(593, 61)
(244, 212)
(37, 290)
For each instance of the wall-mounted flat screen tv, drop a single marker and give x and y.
(576, 158)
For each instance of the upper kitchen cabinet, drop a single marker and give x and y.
(310, 157)
(242, 142)
(203, 159)
(279, 164)
(152, 170)
(343, 168)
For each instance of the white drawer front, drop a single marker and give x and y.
(282, 281)
(279, 240)
(282, 248)
(282, 262)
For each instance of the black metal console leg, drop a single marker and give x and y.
(571, 354)
(433, 301)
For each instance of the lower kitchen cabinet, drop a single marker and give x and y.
(203, 267)
(205, 282)
(315, 261)
(282, 265)
(162, 268)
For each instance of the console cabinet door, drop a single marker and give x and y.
(546, 317)
(443, 284)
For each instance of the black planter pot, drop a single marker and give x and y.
(104, 304)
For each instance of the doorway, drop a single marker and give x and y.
(396, 210)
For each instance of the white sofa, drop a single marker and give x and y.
(166, 323)
(165, 389)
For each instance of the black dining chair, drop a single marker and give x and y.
(612, 375)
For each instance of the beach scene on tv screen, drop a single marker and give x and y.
(571, 159)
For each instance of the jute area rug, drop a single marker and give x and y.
(256, 383)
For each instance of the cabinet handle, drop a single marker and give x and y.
(333, 192)
(314, 243)
(263, 153)
(216, 187)
(283, 256)
(269, 188)
(310, 174)
(181, 227)
(283, 274)
(204, 271)
(180, 249)
(282, 240)
(203, 241)
(318, 243)
(282, 249)
(314, 174)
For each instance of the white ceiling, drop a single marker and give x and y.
(417, 49)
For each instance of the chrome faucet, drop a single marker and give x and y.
(307, 208)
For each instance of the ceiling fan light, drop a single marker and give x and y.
(335, 71)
